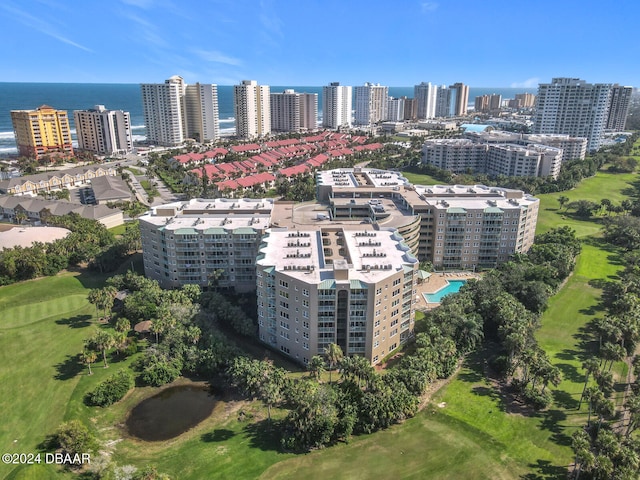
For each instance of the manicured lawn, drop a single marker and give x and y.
(429, 446)
(42, 328)
(421, 179)
(614, 186)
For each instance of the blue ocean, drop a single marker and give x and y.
(127, 97)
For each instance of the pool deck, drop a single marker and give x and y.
(435, 282)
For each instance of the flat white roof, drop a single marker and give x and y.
(373, 254)
(25, 236)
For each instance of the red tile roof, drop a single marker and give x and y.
(249, 147)
(295, 170)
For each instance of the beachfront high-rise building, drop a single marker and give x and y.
(42, 131)
(174, 111)
(443, 102)
(252, 108)
(162, 106)
(294, 112)
(337, 284)
(459, 99)
(102, 131)
(525, 100)
(426, 97)
(488, 103)
(285, 111)
(336, 105)
(309, 111)
(618, 107)
(370, 103)
(573, 107)
(201, 112)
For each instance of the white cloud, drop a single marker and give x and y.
(528, 83)
(271, 23)
(41, 26)
(217, 57)
(429, 7)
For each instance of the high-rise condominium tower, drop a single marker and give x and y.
(309, 111)
(619, 107)
(102, 131)
(461, 99)
(336, 106)
(426, 97)
(252, 109)
(163, 111)
(294, 112)
(41, 131)
(175, 111)
(201, 112)
(573, 107)
(370, 103)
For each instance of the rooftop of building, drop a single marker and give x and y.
(361, 177)
(200, 215)
(325, 254)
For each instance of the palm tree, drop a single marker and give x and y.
(88, 357)
(103, 341)
(334, 354)
(591, 367)
(316, 367)
(562, 200)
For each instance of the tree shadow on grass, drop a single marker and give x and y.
(570, 372)
(545, 471)
(218, 435)
(264, 435)
(79, 321)
(69, 368)
(564, 400)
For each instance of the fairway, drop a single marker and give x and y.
(40, 341)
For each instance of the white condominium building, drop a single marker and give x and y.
(395, 108)
(201, 112)
(425, 95)
(487, 224)
(370, 103)
(336, 106)
(344, 285)
(619, 107)
(573, 107)
(509, 159)
(199, 240)
(252, 107)
(163, 111)
(102, 131)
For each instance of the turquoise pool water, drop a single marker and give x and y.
(453, 286)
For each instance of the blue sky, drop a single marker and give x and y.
(483, 43)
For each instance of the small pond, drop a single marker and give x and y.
(170, 413)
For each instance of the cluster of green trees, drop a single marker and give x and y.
(184, 337)
(88, 243)
(504, 308)
(606, 446)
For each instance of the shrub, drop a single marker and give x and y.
(160, 372)
(112, 389)
(73, 437)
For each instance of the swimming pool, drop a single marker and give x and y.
(453, 286)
